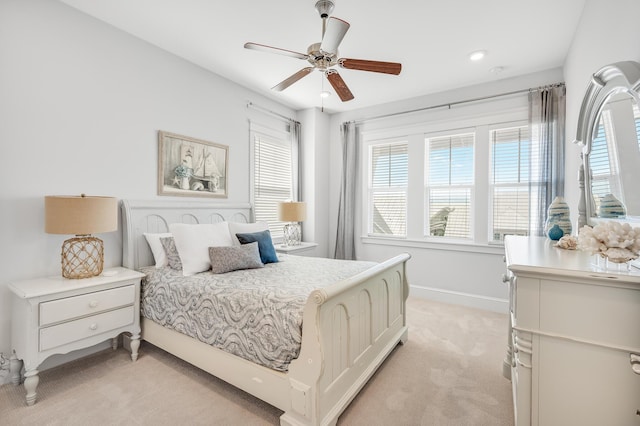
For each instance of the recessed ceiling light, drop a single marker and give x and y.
(477, 55)
(325, 94)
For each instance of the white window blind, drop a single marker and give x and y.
(388, 180)
(449, 185)
(511, 166)
(273, 178)
(636, 117)
(605, 176)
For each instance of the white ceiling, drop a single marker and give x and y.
(431, 38)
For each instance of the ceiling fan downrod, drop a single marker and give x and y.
(324, 8)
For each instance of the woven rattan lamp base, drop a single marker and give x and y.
(82, 257)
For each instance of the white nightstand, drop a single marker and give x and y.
(56, 315)
(303, 249)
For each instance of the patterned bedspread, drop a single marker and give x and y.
(255, 314)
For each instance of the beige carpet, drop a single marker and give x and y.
(448, 373)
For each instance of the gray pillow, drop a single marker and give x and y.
(227, 259)
(173, 258)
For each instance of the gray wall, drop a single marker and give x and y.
(81, 103)
(608, 32)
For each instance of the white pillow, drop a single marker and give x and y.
(193, 242)
(159, 255)
(245, 228)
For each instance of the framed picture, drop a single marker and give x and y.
(191, 167)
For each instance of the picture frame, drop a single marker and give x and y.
(191, 167)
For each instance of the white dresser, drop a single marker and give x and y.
(575, 337)
(56, 315)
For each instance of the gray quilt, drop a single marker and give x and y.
(255, 314)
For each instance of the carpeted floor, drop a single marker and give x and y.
(448, 373)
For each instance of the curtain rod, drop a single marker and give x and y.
(268, 111)
(450, 104)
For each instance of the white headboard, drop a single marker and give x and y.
(140, 216)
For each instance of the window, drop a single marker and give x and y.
(388, 179)
(458, 177)
(274, 175)
(636, 118)
(605, 177)
(511, 166)
(449, 186)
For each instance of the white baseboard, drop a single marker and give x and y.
(4, 377)
(4, 369)
(457, 298)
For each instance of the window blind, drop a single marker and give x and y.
(511, 165)
(450, 181)
(603, 161)
(273, 179)
(389, 176)
(636, 117)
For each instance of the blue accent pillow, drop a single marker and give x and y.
(265, 245)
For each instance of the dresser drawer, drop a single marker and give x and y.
(592, 313)
(61, 334)
(86, 304)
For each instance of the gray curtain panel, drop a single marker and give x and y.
(296, 156)
(547, 125)
(345, 238)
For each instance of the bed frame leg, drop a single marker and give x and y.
(404, 337)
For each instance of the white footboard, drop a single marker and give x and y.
(348, 330)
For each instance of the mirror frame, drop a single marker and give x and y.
(610, 80)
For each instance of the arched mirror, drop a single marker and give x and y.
(609, 130)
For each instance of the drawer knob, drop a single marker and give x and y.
(634, 359)
(93, 303)
(93, 326)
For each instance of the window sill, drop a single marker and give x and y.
(497, 249)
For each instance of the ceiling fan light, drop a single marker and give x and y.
(477, 55)
(325, 94)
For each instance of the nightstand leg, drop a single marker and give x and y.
(15, 367)
(114, 343)
(135, 345)
(31, 380)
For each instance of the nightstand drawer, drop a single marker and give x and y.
(86, 304)
(82, 328)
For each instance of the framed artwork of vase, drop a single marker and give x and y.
(191, 167)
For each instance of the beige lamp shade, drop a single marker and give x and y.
(83, 255)
(80, 215)
(292, 211)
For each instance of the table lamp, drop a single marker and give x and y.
(83, 255)
(292, 212)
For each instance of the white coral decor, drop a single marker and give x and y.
(618, 242)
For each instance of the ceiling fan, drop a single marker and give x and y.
(323, 56)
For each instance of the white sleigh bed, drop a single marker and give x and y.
(349, 327)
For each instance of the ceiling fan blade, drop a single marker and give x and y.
(373, 66)
(333, 35)
(295, 77)
(339, 85)
(270, 49)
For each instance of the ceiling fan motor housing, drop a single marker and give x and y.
(324, 8)
(320, 59)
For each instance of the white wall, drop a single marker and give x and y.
(80, 105)
(315, 172)
(457, 274)
(608, 32)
